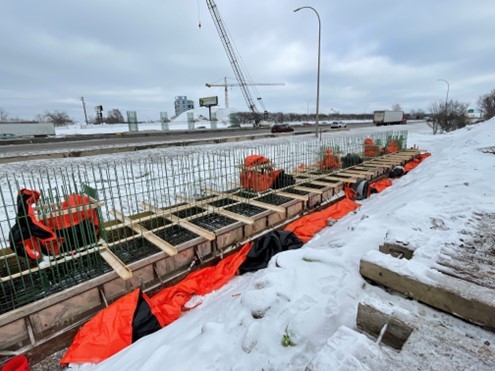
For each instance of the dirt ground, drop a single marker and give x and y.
(50, 363)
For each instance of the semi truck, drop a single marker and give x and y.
(22, 129)
(389, 118)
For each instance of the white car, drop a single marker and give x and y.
(338, 124)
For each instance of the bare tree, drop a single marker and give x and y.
(114, 117)
(3, 115)
(396, 107)
(40, 117)
(58, 118)
(448, 118)
(436, 110)
(486, 104)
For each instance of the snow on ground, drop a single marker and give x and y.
(200, 115)
(308, 294)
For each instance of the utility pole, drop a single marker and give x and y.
(226, 93)
(84, 109)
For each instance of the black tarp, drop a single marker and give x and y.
(265, 247)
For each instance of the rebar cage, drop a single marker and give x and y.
(123, 197)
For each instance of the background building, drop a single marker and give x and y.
(182, 104)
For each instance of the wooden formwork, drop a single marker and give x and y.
(235, 218)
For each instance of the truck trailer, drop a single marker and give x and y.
(389, 118)
(26, 129)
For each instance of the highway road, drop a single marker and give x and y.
(87, 145)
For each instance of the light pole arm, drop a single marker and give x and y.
(317, 126)
(448, 88)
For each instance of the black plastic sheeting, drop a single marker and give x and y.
(265, 247)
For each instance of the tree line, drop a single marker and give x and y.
(443, 116)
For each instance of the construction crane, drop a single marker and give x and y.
(234, 60)
(227, 85)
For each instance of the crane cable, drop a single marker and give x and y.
(199, 15)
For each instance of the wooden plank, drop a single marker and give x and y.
(404, 154)
(374, 170)
(374, 165)
(361, 175)
(372, 321)
(360, 172)
(343, 174)
(396, 250)
(388, 161)
(74, 209)
(350, 180)
(469, 301)
(406, 157)
(295, 196)
(52, 263)
(241, 218)
(113, 260)
(381, 168)
(345, 180)
(330, 184)
(136, 220)
(61, 258)
(386, 165)
(326, 184)
(220, 210)
(210, 236)
(309, 189)
(276, 208)
(148, 235)
(59, 205)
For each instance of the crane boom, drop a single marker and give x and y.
(226, 85)
(232, 55)
(249, 84)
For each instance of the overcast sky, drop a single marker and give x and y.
(139, 55)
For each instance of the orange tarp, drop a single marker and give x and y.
(417, 160)
(307, 226)
(105, 334)
(380, 185)
(110, 330)
(167, 304)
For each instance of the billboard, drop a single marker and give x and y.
(208, 101)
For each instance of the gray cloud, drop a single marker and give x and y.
(139, 55)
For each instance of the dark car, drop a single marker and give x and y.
(283, 128)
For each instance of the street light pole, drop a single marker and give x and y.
(317, 125)
(446, 98)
